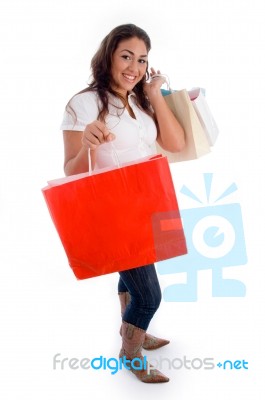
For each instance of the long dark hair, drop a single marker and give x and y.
(101, 69)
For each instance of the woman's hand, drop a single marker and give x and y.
(95, 134)
(152, 88)
(76, 144)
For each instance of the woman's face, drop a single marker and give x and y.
(129, 64)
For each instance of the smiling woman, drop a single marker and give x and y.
(124, 111)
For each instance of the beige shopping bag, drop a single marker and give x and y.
(197, 144)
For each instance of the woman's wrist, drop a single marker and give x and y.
(79, 163)
(156, 99)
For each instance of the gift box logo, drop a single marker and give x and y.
(215, 239)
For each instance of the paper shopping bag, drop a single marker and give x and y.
(117, 219)
(197, 144)
(204, 114)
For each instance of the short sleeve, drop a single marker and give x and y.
(83, 110)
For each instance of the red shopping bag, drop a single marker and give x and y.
(117, 219)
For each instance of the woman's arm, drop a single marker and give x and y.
(171, 136)
(75, 154)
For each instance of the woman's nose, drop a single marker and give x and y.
(133, 66)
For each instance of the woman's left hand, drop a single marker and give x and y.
(153, 87)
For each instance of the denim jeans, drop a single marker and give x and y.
(143, 286)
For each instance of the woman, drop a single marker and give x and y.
(119, 117)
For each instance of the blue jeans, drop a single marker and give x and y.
(144, 288)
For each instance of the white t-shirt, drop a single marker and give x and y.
(135, 137)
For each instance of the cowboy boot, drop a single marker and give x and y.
(150, 342)
(132, 341)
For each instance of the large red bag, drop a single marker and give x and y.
(117, 219)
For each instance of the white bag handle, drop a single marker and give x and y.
(166, 78)
(115, 157)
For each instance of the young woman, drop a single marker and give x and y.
(120, 116)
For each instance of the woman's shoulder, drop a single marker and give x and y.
(85, 96)
(80, 110)
(86, 102)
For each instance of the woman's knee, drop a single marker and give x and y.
(149, 301)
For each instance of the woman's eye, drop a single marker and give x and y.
(129, 58)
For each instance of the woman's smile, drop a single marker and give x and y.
(129, 78)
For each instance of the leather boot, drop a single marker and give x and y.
(150, 342)
(132, 341)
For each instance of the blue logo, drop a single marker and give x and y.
(215, 239)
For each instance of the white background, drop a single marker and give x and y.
(46, 47)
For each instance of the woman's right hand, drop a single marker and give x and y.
(95, 134)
